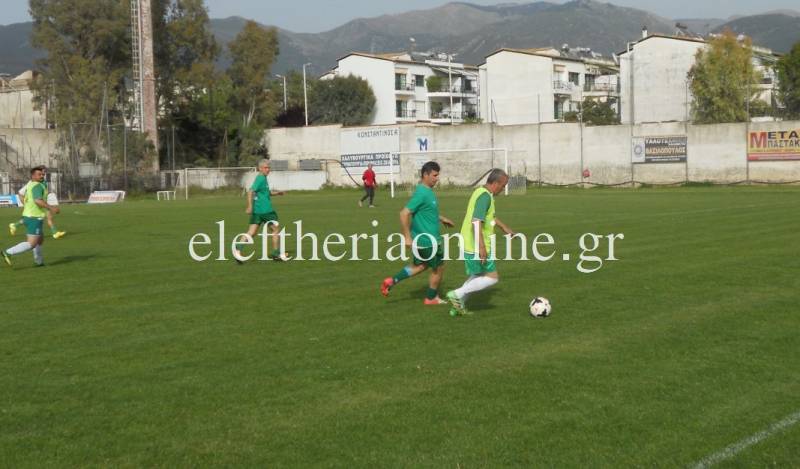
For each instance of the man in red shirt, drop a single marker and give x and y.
(369, 186)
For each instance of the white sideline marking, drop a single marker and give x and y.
(739, 446)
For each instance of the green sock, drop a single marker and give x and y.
(432, 293)
(275, 253)
(402, 275)
(53, 229)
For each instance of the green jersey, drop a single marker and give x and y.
(261, 200)
(425, 216)
(34, 191)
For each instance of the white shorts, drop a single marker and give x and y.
(52, 199)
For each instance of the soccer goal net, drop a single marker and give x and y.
(217, 181)
(461, 169)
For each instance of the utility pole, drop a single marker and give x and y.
(284, 90)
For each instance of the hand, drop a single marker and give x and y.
(407, 240)
(281, 193)
(482, 254)
(248, 210)
(447, 222)
(55, 210)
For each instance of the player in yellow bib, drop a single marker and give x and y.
(33, 214)
(478, 226)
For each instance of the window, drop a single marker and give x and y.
(467, 84)
(589, 82)
(575, 78)
(399, 81)
(419, 80)
(401, 107)
(558, 110)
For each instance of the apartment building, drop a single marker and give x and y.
(654, 77)
(528, 86)
(411, 87)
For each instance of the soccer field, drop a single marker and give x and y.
(124, 351)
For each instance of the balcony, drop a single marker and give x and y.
(563, 87)
(601, 88)
(446, 91)
(404, 88)
(406, 115)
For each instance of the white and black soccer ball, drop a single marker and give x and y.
(540, 307)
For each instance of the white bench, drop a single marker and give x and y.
(165, 195)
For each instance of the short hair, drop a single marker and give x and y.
(262, 162)
(429, 167)
(495, 175)
(37, 168)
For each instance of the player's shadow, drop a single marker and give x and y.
(71, 259)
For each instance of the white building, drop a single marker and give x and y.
(414, 88)
(17, 109)
(528, 86)
(654, 77)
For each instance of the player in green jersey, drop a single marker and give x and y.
(259, 207)
(420, 221)
(478, 226)
(33, 215)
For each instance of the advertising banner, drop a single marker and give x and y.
(667, 149)
(363, 146)
(781, 145)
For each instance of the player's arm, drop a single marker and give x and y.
(43, 204)
(504, 227)
(405, 224)
(249, 208)
(277, 193)
(477, 230)
(446, 221)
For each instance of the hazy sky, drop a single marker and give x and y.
(321, 15)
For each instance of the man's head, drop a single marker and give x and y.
(430, 173)
(496, 181)
(37, 173)
(263, 167)
(369, 166)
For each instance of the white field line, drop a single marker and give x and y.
(740, 446)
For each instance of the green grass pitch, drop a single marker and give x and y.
(124, 352)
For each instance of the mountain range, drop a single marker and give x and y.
(470, 31)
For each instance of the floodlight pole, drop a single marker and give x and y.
(284, 90)
(305, 93)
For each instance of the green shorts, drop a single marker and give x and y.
(33, 225)
(427, 256)
(261, 218)
(473, 265)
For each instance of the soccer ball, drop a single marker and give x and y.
(540, 307)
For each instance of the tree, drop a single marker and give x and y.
(253, 52)
(342, 100)
(87, 54)
(788, 71)
(595, 112)
(721, 80)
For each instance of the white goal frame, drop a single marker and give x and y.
(434, 152)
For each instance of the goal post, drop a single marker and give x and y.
(224, 180)
(464, 167)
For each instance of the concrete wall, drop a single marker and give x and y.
(26, 148)
(17, 110)
(556, 153)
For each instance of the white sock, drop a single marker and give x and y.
(475, 285)
(460, 292)
(37, 255)
(19, 248)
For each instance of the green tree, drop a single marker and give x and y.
(87, 54)
(721, 80)
(788, 71)
(342, 100)
(595, 112)
(253, 52)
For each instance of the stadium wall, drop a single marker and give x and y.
(558, 153)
